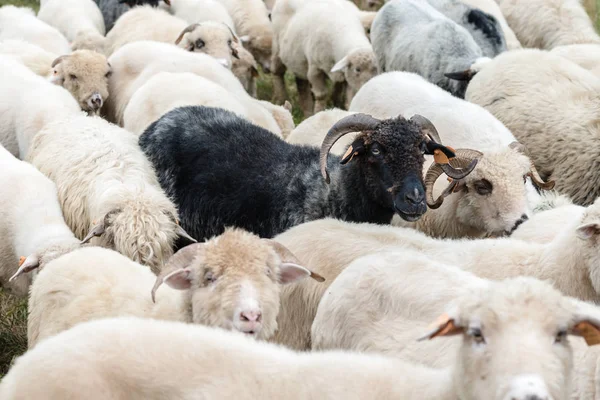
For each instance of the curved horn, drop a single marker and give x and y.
(533, 172)
(235, 38)
(427, 127)
(58, 61)
(100, 228)
(351, 123)
(432, 175)
(188, 29)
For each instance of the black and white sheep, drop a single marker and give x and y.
(222, 170)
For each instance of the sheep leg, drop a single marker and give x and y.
(279, 91)
(318, 83)
(305, 97)
(338, 94)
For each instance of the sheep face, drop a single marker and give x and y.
(515, 340)
(261, 48)
(233, 281)
(89, 41)
(588, 234)
(213, 38)
(358, 67)
(85, 75)
(493, 198)
(245, 69)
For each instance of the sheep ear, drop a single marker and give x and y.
(587, 231)
(290, 265)
(288, 106)
(443, 326)
(589, 330)
(180, 279)
(26, 265)
(340, 65)
(289, 273)
(356, 148)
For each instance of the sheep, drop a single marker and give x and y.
(328, 246)
(282, 115)
(79, 20)
(147, 23)
(585, 55)
(152, 100)
(561, 100)
(383, 285)
(137, 358)
(27, 104)
(33, 57)
(491, 7)
(245, 69)
(546, 24)
(103, 176)
(314, 55)
(134, 63)
(281, 181)
(113, 9)
(195, 11)
(31, 223)
(483, 27)
(21, 23)
(312, 130)
(496, 198)
(251, 19)
(411, 35)
(231, 281)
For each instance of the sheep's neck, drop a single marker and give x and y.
(172, 305)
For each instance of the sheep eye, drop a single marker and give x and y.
(525, 178)
(560, 336)
(477, 336)
(375, 151)
(200, 43)
(209, 277)
(108, 74)
(73, 77)
(268, 272)
(483, 187)
(229, 42)
(357, 70)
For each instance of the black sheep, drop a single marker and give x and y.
(222, 170)
(113, 9)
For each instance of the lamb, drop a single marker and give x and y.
(483, 27)
(251, 19)
(496, 198)
(280, 181)
(314, 55)
(147, 23)
(27, 104)
(384, 284)
(21, 23)
(412, 36)
(328, 246)
(135, 63)
(231, 281)
(31, 222)
(136, 358)
(113, 9)
(107, 188)
(562, 101)
(154, 99)
(546, 24)
(80, 21)
(491, 7)
(195, 11)
(312, 130)
(585, 55)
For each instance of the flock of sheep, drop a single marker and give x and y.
(165, 224)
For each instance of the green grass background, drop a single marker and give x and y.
(13, 311)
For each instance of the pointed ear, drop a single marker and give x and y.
(356, 148)
(340, 65)
(290, 265)
(26, 265)
(587, 231)
(180, 279)
(289, 272)
(443, 326)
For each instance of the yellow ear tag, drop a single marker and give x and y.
(22, 260)
(439, 157)
(348, 152)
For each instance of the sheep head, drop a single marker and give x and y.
(234, 281)
(153, 3)
(521, 310)
(358, 67)
(84, 74)
(389, 154)
(213, 38)
(86, 40)
(260, 47)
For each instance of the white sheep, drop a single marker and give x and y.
(195, 11)
(390, 286)
(540, 97)
(107, 188)
(32, 56)
(494, 199)
(166, 91)
(328, 246)
(310, 46)
(21, 23)
(251, 19)
(492, 8)
(231, 281)
(27, 104)
(135, 63)
(312, 130)
(32, 226)
(585, 55)
(80, 21)
(546, 24)
(141, 358)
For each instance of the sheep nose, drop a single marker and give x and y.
(95, 102)
(250, 316)
(528, 387)
(414, 197)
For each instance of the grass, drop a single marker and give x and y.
(13, 311)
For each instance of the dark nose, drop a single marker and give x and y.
(523, 218)
(97, 102)
(414, 196)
